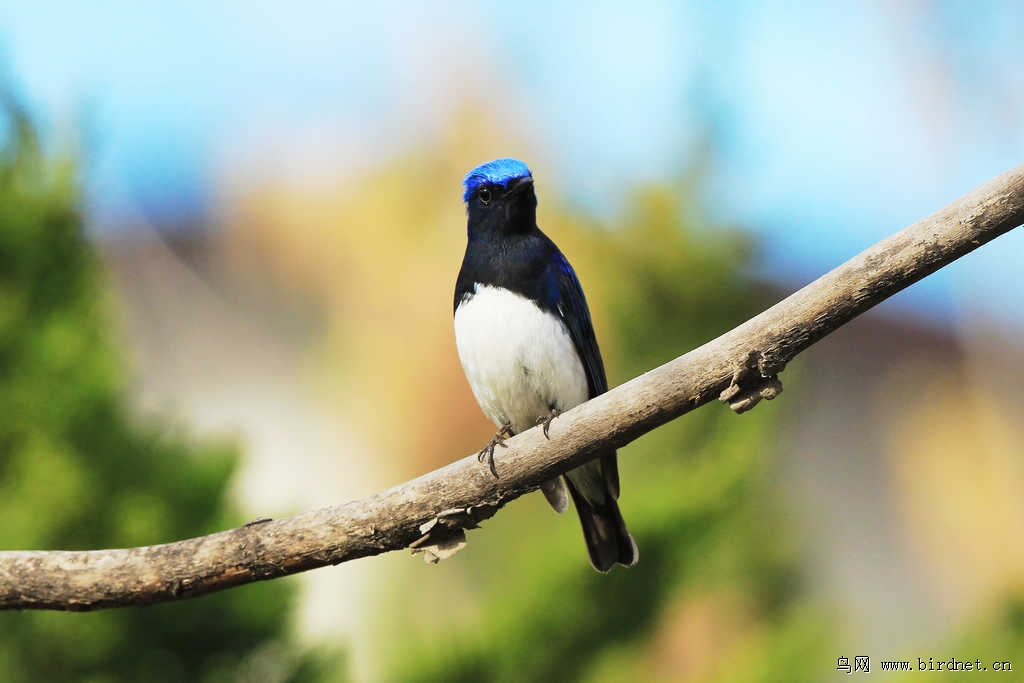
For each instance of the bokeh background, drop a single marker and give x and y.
(229, 234)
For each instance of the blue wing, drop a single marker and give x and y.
(572, 308)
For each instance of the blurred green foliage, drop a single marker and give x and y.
(78, 470)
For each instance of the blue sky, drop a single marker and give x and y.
(833, 124)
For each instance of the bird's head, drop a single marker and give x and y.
(499, 198)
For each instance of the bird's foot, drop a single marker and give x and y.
(546, 421)
(487, 452)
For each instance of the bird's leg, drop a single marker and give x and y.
(487, 452)
(546, 421)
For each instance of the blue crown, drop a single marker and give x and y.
(497, 172)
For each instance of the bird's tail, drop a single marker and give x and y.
(604, 530)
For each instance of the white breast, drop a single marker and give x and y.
(520, 360)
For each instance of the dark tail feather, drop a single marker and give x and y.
(604, 530)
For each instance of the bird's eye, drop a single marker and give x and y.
(485, 195)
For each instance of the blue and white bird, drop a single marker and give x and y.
(524, 336)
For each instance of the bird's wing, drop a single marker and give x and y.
(572, 309)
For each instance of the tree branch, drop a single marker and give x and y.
(432, 511)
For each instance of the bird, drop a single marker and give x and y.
(526, 343)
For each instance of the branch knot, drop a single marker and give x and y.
(445, 534)
(753, 378)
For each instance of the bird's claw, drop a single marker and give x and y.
(487, 452)
(546, 421)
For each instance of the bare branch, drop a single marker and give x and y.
(431, 511)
